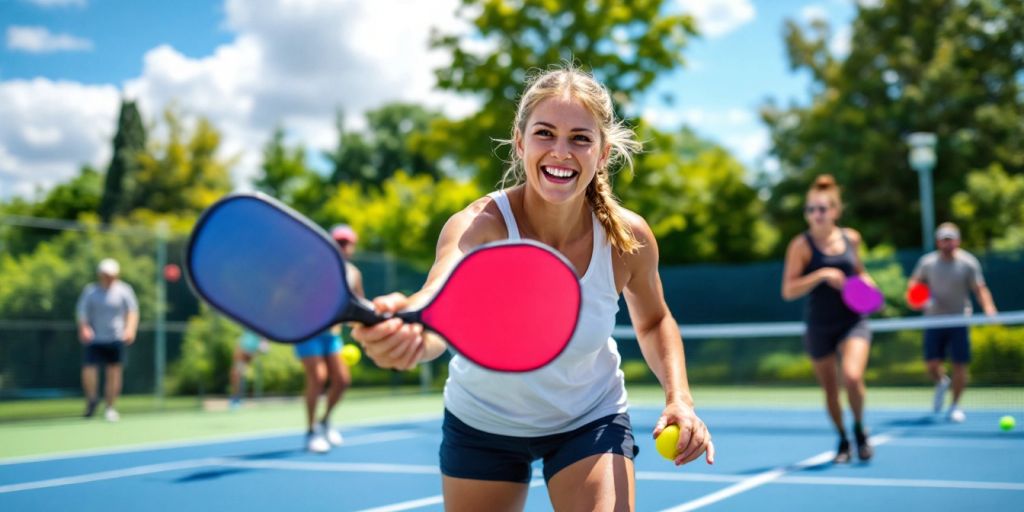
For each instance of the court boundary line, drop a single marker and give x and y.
(764, 478)
(189, 443)
(148, 469)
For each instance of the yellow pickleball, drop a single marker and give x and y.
(666, 442)
(351, 354)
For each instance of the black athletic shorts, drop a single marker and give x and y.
(474, 454)
(111, 352)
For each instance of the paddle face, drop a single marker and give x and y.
(267, 267)
(511, 306)
(861, 297)
(918, 295)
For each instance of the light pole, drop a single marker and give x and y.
(922, 160)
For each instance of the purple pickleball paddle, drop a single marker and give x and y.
(861, 297)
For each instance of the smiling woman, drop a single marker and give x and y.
(573, 412)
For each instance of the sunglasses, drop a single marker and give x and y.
(811, 209)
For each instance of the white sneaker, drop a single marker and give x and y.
(956, 415)
(316, 443)
(332, 435)
(940, 393)
(112, 415)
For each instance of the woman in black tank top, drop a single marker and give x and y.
(818, 262)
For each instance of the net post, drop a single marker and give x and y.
(159, 350)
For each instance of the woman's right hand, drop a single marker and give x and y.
(832, 276)
(391, 344)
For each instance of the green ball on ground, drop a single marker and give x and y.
(1007, 423)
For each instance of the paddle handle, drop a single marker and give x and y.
(361, 310)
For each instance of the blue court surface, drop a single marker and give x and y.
(767, 460)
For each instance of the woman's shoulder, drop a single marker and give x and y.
(853, 235)
(480, 222)
(799, 241)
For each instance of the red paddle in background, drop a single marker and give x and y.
(917, 296)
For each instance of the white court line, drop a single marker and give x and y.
(338, 467)
(836, 480)
(166, 445)
(897, 482)
(109, 475)
(430, 500)
(932, 442)
(191, 464)
(764, 478)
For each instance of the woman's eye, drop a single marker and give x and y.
(582, 138)
(543, 132)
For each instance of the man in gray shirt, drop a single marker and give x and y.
(951, 274)
(108, 316)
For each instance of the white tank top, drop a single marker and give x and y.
(582, 384)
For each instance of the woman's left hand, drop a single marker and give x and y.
(694, 437)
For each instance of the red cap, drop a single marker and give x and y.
(344, 233)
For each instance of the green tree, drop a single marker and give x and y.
(393, 141)
(951, 67)
(284, 169)
(183, 174)
(696, 200)
(81, 194)
(990, 209)
(627, 45)
(129, 143)
(77, 197)
(404, 216)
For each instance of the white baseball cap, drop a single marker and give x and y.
(109, 266)
(947, 233)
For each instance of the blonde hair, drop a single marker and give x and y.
(582, 87)
(826, 184)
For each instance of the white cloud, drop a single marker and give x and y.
(840, 43)
(748, 146)
(50, 129)
(737, 129)
(41, 40)
(58, 3)
(292, 63)
(717, 18)
(700, 118)
(813, 12)
(869, 4)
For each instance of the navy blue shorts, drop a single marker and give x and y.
(937, 341)
(103, 353)
(474, 454)
(821, 340)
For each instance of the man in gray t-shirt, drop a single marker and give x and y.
(108, 316)
(951, 274)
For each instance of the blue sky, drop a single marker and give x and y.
(250, 65)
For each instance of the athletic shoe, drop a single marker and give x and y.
(112, 415)
(90, 408)
(332, 435)
(864, 449)
(940, 394)
(956, 415)
(842, 453)
(316, 443)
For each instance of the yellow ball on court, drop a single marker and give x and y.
(1007, 423)
(666, 442)
(351, 354)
